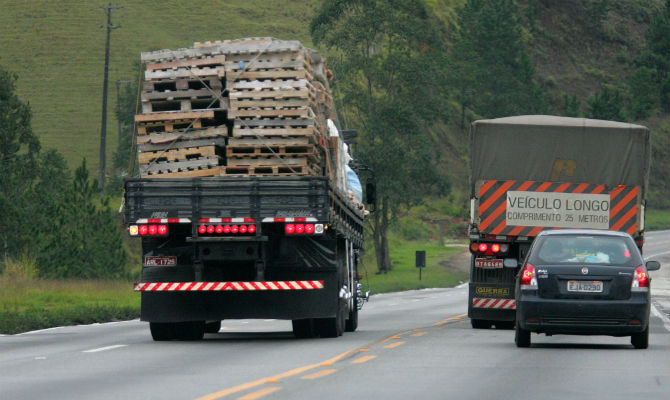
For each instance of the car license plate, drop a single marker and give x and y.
(489, 263)
(585, 286)
(160, 261)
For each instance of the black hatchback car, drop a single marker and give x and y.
(584, 282)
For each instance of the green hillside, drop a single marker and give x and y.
(57, 49)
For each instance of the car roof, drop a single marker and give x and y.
(576, 232)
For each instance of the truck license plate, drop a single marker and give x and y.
(585, 286)
(489, 263)
(160, 261)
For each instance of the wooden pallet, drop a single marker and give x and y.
(234, 73)
(274, 122)
(267, 150)
(165, 167)
(178, 135)
(279, 112)
(171, 85)
(188, 63)
(269, 170)
(193, 72)
(218, 103)
(179, 143)
(171, 121)
(280, 131)
(171, 155)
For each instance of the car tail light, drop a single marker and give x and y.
(290, 229)
(528, 278)
(640, 280)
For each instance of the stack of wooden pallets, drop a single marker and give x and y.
(255, 106)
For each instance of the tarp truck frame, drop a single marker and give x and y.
(530, 173)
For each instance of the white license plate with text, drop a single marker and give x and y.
(160, 261)
(585, 286)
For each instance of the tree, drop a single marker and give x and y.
(489, 68)
(19, 149)
(650, 84)
(84, 241)
(389, 75)
(605, 104)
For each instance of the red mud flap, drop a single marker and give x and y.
(505, 304)
(223, 286)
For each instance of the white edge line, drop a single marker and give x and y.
(116, 346)
(663, 317)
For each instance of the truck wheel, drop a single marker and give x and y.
(304, 328)
(521, 337)
(332, 327)
(162, 331)
(190, 331)
(352, 321)
(640, 340)
(213, 327)
(481, 323)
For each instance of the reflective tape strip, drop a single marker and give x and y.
(503, 304)
(227, 220)
(295, 219)
(221, 286)
(163, 221)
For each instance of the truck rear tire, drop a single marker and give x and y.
(190, 331)
(162, 331)
(304, 328)
(331, 327)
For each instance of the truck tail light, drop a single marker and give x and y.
(211, 229)
(234, 229)
(148, 230)
(153, 230)
(219, 229)
(162, 230)
(289, 229)
(309, 229)
(252, 229)
(640, 280)
(202, 229)
(483, 247)
(243, 229)
(214, 230)
(495, 247)
(143, 230)
(300, 229)
(528, 278)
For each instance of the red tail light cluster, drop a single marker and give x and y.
(299, 229)
(489, 249)
(227, 229)
(151, 230)
(528, 277)
(640, 279)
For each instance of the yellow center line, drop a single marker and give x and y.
(300, 370)
(394, 345)
(259, 393)
(363, 359)
(456, 318)
(419, 334)
(319, 374)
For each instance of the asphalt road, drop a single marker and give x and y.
(409, 344)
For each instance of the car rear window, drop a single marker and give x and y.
(586, 249)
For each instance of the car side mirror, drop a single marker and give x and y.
(652, 265)
(510, 263)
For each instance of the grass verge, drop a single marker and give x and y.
(656, 220)
(405, 275)
(28, 304)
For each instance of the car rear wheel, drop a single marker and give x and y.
(521, 337)
(640, 340)
(481, 323)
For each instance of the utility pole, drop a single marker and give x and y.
(103, 127)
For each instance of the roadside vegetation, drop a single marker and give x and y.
(409, 75)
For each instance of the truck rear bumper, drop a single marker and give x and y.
(493, 302)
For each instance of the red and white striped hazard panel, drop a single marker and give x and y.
(163, 221)
(222, 286)
(505, 304)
